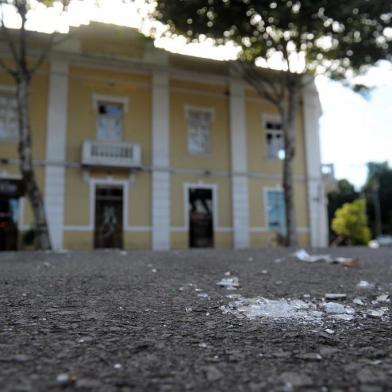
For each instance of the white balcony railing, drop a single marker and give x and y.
(113, 154)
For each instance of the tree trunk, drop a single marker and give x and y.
(26, 164)
(289, 124)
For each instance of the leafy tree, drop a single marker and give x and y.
(22, 67)
(350, 223)
(378, 191)
(344, 193)
(307, 36)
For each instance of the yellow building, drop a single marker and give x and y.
(139, 148)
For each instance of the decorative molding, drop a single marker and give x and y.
(93, 182)
(239, 164)
(200, 185)
(161, 159)
(263, 229)
(317, 204)
(204, 109)
(96, 98)
(7, 88)
(174, 170)
(55, 149)
(269, 117)
(128, 229)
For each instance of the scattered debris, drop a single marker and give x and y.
(227, 273)
(359, 301)
(296, 310)
(303, 255)
(333, 296)
(376, 313)
(64, 379)
(229, 283)
(346, 261)
(203, 295)
(234, 296)
(343, 317)
(336, 308)
(365, 285)
(383, 298)
(310, 356)
(259, 307)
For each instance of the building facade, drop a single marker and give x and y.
(138, 148)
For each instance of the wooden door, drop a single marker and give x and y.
(108, 217)
(201, 224)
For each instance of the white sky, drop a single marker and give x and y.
(353, 130)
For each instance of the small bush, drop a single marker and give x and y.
(350, 223)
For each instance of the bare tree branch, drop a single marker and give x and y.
(45, 52)
(264, 86)
(8, 69)
(22, 11)
(8, 39)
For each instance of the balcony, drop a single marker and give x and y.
(111, 154)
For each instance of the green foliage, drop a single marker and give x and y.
(350, 223)
(351, 33)
(376, 170)
(344, 193)
(378, 189)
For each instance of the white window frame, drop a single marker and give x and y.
(214, 189)
(114, 99)
(7, 90)
(265, 196)
(209, 110)
(266, 117)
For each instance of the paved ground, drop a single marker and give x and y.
(108, 321)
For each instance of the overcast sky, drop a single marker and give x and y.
(353, 130)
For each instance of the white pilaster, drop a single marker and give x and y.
(160, 162)
(318, 221)
(55, 150)
(239, 164)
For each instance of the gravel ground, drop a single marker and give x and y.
(125, 321)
